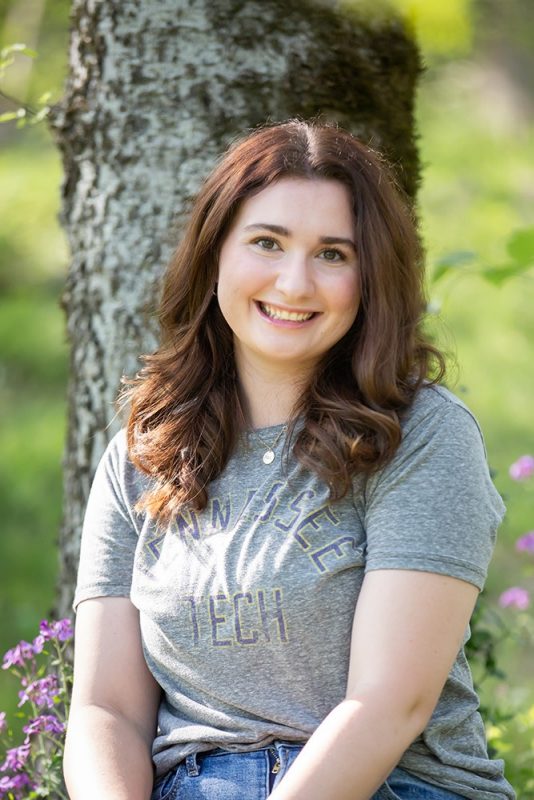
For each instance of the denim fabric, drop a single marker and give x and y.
(220, 775)
(403, 785)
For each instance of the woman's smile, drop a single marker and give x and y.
(284, 316)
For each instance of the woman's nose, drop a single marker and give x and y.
(294, 278)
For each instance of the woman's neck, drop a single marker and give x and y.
(268, 396)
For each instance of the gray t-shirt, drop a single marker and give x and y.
(246, 608)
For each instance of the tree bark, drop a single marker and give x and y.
(156, 91)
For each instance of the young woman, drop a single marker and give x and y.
(282, 552)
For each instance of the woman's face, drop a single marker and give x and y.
(288, 283)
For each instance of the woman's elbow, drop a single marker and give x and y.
(408, 712)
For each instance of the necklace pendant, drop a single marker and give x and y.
(268, 457)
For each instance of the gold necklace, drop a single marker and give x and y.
(268, 456)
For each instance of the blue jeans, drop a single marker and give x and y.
(220, 775)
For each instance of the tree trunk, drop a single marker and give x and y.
(156, 90)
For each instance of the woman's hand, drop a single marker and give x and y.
(408, 629)
(115, 699)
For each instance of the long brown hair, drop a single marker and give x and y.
(185, 412)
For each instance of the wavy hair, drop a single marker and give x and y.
(185, 410)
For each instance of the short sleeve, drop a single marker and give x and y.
(109, 534)
(434, 508)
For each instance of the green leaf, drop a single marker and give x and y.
(8, 116)
(455, 260)
(19, 114)
(40, 115)
(18, 47)
(520, 246)
(498, 275)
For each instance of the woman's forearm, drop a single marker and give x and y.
(106, 756)
(351, 753)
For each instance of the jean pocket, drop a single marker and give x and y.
(166, 787)
(385, 792)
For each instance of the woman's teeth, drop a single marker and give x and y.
(292, 316)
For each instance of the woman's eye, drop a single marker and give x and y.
(266, 243)
(333, 255)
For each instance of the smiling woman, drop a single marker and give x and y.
(282, 551)
(365, 347)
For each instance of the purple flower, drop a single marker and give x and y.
(522, 469)
(515, 597)
(526, 542)
(38, 644)
(46, 722)
(16, 758)
(61, 630)
(42, 691)
(18, 655)
(64, 630)
(14, 784)
(3, 723)
(46, 630)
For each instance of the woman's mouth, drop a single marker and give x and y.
(274, 312)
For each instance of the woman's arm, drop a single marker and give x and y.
(112, 722)
(408, 629)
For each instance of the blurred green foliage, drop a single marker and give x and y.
(33, 351)
(33, 373)
(42, 25)
(476, 127)
(22, 114)
(441, 28)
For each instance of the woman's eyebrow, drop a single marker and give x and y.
(337, 240)
(281, 231)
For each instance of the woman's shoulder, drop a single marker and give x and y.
(436, 407)
(441, 423)
(117, 468)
